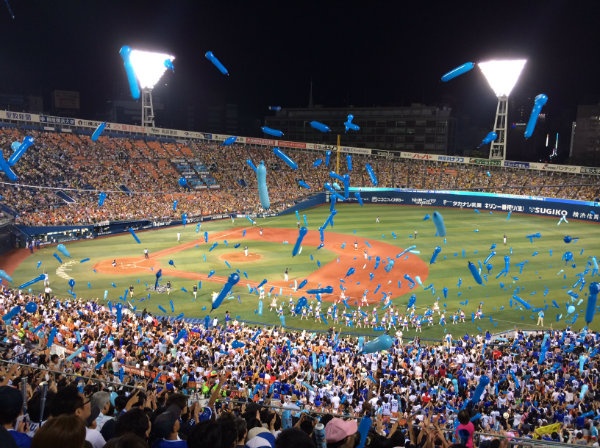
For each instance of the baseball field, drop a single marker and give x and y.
(549, 271)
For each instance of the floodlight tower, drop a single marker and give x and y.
(148, 67)
(502, 77)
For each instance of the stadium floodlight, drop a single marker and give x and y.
(502, 76)
(149, 67)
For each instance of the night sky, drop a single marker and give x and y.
(376, 53)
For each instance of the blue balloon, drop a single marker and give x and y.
(349, 126)
(483, 382)
(319, 126)
(383, 342)
(169, 65)
(489, 257)
(271, 131)
(63, 250)
(134, 87)
(15, 145)
(436, 252)
(440, 227)
(334, 193)
(302, 302)
(231, 282)
(461, 69)
(289, 162)
(107, 358)
(349, 161)
(263, 190)
(5, 276)
(327, 157)
(410, 280)
(303, 184)
(101, 199)
(539, 102)
(251, 165)
(492, 136)
(4, 166)
(525, 304)
(229, 141)
(15, 156)
(72, 282)
(475, 273)
(591, 305)
(358, 198)
(212, 58)
(98, 132)
(301, 234)
(31, 307)
(326, 290)
(135, 237)
(371, 174)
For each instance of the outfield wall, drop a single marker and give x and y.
(584, 210)
(569, 209)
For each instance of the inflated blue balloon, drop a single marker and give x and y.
(383, 342)
(594, 288)
(63, 250)
(492, 136)
(229, 141)
(98, 132)
(461, 69)
(475, 273)
(440, 227)
(288, 161)
(319, 126)
(212, 58)
(4, 166)
(31, 307)
(540, 101)
(371, 174)
(349, 126)
(231, 282)
(263, 190)
(134, 87)
(271, 131)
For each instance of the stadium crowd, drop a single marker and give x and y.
(117, 379)
(99, 376)
(141, 178)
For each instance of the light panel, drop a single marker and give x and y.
(502, 75)
(149, 66)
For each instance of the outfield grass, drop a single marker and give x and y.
(545, 277)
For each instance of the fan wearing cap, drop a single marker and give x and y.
(11, 406)
(260, 437)
(166, 429)
(341, 433)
